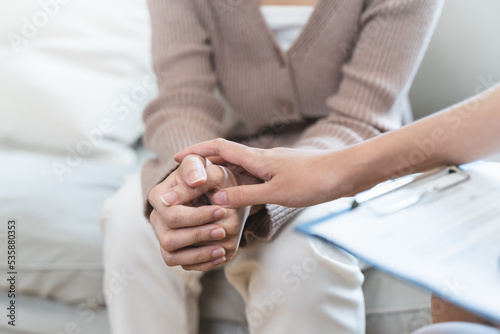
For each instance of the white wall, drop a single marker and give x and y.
(464, 52)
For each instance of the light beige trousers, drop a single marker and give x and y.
(293, 284)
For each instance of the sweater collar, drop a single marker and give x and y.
(265, 37)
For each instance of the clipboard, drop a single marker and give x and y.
(439, 230)
(390, 197)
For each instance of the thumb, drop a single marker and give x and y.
(236, 197)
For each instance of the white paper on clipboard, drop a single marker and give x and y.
(442, 233)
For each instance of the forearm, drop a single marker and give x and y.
(186, 111)
(460, 134)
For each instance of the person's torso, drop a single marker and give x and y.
(267, 86)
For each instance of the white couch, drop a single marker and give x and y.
(68, 70)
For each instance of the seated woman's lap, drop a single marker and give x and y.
(277, 279)
(152, 294)
(294, 274)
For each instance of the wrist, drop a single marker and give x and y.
(360, 169)
(374, 161)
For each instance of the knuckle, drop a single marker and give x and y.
(167, 244)
(232, 229)
(215, 175)
(169, 259)
(152, 197)
(153, 217)
(230, 246)
(231, 223)
(173, 221)
(186, 161)
(157, 189)
(192, 160)
(260, 153)
(219, 141)
(199, 257)
(201, 236)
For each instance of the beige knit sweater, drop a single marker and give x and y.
(345, 79)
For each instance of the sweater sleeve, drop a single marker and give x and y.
(186, 110)
(392, 39)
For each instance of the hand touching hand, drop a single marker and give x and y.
(295, 178)
(196, 237)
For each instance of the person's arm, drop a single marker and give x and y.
(463, 133)
(186, 111)
(460, 134)
(376, 78)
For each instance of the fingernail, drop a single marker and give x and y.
(219, 261)
(195, 177)
(220, 213)
(169, 198)
(218, 233)
(218, 253)
(220, 198)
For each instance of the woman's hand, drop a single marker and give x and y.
(294, 178)
(193, 234)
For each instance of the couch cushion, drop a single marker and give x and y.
(37, 315)
(59, 241)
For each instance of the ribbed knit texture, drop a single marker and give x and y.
(345, 79)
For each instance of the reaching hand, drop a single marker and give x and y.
(294, 178)
(193, 233)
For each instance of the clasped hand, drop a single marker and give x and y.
(194, 233)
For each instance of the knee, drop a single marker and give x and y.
(314, 272)
(295, 260)
(126, 230)
(304, 256)
(121, 211)
(303, 270)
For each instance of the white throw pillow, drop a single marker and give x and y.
(75, 77)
